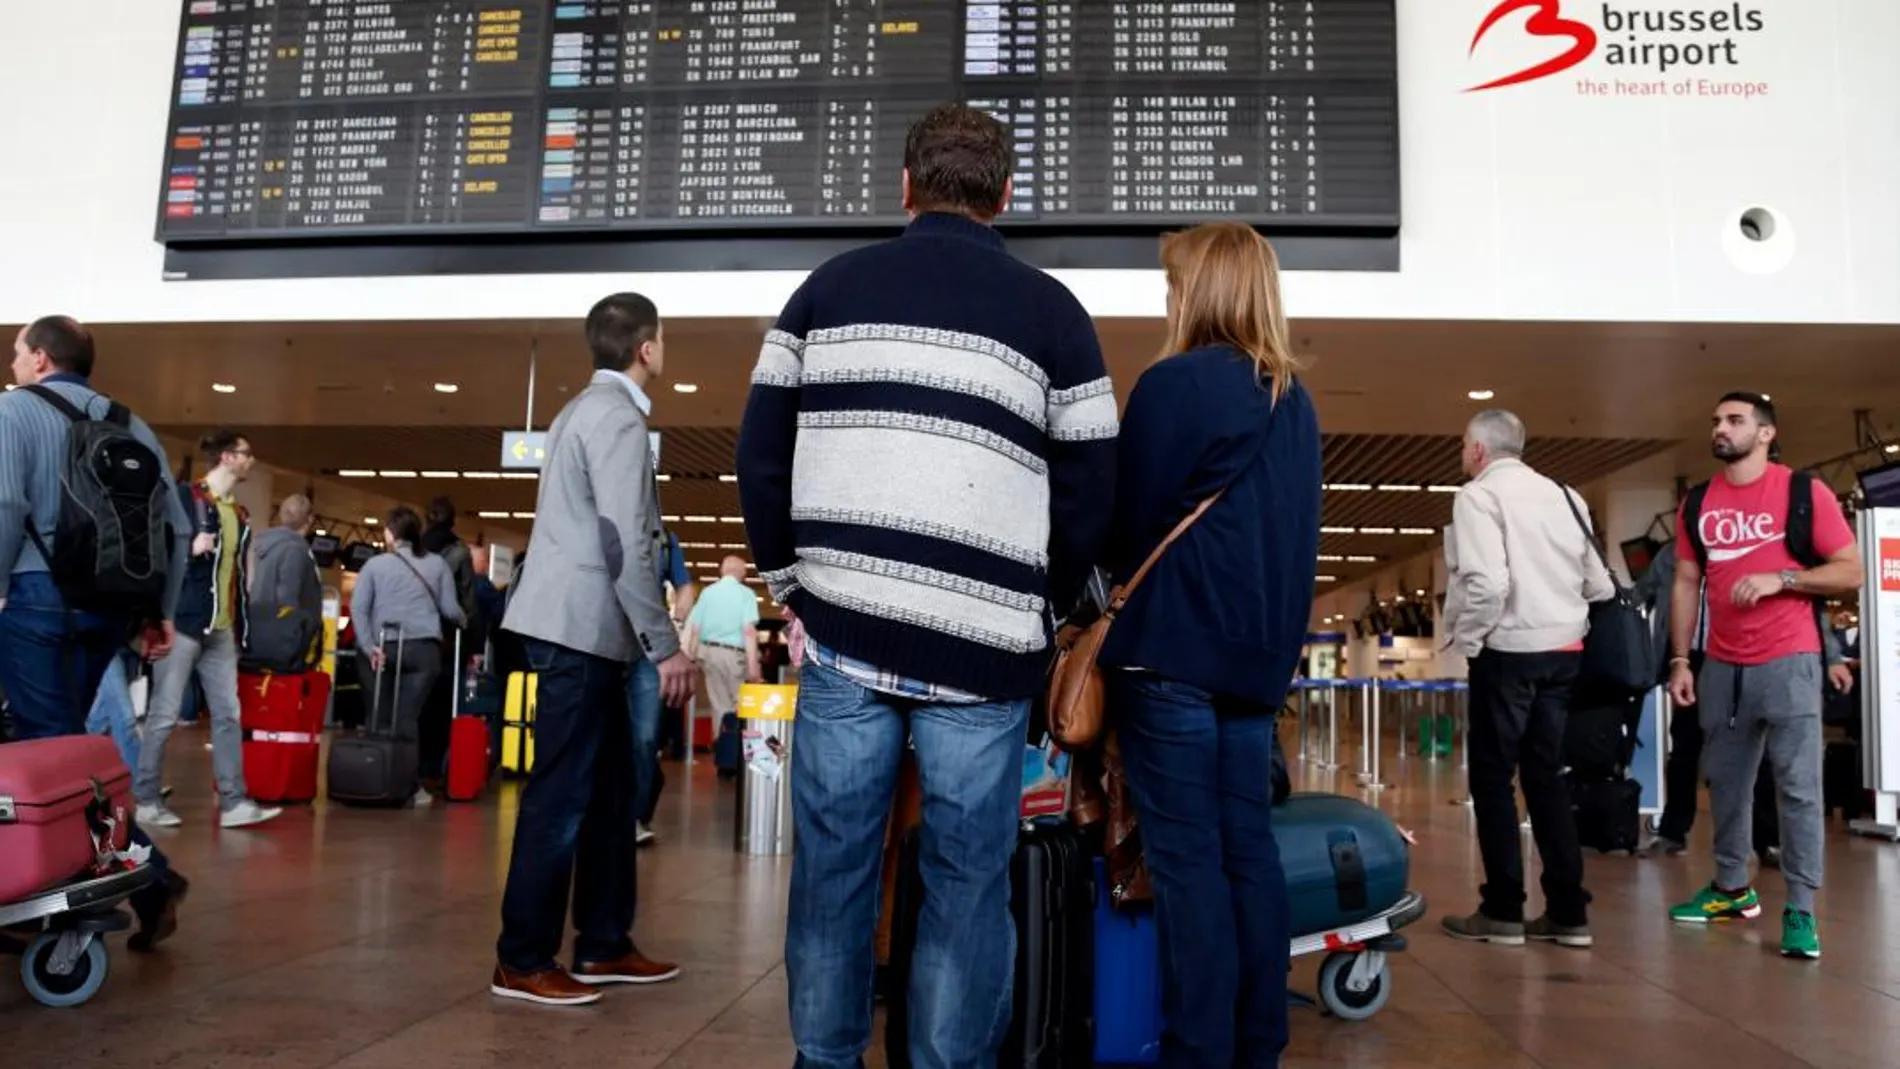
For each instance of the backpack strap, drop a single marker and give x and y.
(52, 397)
(1800, 529)
(1692, 519)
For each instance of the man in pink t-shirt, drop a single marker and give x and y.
(1761, 683)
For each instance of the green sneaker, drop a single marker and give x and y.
(1799, 937)
(1710, 906)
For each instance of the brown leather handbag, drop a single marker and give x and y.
(1075, 699)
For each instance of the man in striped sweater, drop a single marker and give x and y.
(926, 468)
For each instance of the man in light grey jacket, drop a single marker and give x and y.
(1527, 573)
(589, 607)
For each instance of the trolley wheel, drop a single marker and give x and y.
(76, 986)
(1336, 993)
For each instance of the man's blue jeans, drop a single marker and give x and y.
(1198, 770)
(51, 663)
(643, 705)
(575, 825)
(112, 708)
(845, 753)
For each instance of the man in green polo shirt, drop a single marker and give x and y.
(726, 617)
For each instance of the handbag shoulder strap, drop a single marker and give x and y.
(417, 572)
(1120, 595)
(1589, 535)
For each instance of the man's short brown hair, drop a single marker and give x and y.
(959, 160)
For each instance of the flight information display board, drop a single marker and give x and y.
(338, 118)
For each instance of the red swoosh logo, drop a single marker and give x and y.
(1545, 21)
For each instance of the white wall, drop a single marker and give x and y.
(1527, 202)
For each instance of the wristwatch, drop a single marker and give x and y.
(1790, 579)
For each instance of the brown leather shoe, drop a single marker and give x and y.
(549, 987)
(635, 968)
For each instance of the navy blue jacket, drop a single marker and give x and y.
(1226, 608)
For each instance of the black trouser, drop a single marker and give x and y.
(432, 729)
(1519, 702)
(1682, 779)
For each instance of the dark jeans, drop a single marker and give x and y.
(643, 707)
(432, 726)
(848, 747)
(1519, 702)
(51, 662)
(575, 825)
(1199, 770)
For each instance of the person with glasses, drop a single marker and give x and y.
(211, 622)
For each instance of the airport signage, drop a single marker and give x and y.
(523, 449)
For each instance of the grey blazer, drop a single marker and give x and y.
(592, 583)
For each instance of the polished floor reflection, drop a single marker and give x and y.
(363, 940)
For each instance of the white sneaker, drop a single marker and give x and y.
(643, 835)
(247, 813)
(158, 816)
(423, 799)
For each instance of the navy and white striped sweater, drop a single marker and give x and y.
(927, 459)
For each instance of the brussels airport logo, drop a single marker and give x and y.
(1890, 565)
(1641, 46)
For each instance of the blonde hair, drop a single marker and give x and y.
(1224, 289)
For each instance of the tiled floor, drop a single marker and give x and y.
(363, 940)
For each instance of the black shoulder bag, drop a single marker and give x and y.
(1618, 653)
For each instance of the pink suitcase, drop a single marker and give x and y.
(47, 788)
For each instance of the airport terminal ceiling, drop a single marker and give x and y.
(329, 399)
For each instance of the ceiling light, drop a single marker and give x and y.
(1348, 487)
(11, 387)
(1895, 448)
(223, 387)
(1396, 488)
(524, 515)
(1339, 530)
(1326, 558)
(1377, 530)
(728, 478)
(521, 475)
(371, 520)
(697, 545)
(1328, 579)
(734, 545)
(669, 519)
(355, 473)
(398, 474)
(685, 387)
(1444, 489)
(732, 519)
(1425, 532)
(697, 519)
(492, 515)
(481, 475)
(440, 475)
(1768, 397)
(446, 387)
(321, 533)
(662, 478)
(1362, 560)
(1421, 593)
(1481, 395)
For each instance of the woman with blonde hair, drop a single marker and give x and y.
(1200, 659)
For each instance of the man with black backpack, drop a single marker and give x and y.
(1773, 544)
(91, 553)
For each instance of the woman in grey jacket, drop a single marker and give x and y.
(402, 597)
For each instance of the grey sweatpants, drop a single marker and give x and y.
(1777, 706)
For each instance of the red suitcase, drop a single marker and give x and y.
(282, 717)
(468, 758)
(51, 793)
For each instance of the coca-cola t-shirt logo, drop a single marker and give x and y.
(1731, 534)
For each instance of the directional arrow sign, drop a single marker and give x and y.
(523, 449)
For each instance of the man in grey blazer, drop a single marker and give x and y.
(589, 607)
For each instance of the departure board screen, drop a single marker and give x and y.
(339, 118)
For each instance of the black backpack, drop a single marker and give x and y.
(111, 545)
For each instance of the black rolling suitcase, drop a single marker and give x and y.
(1052, 897)
(372, 766)
(1599, 747)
